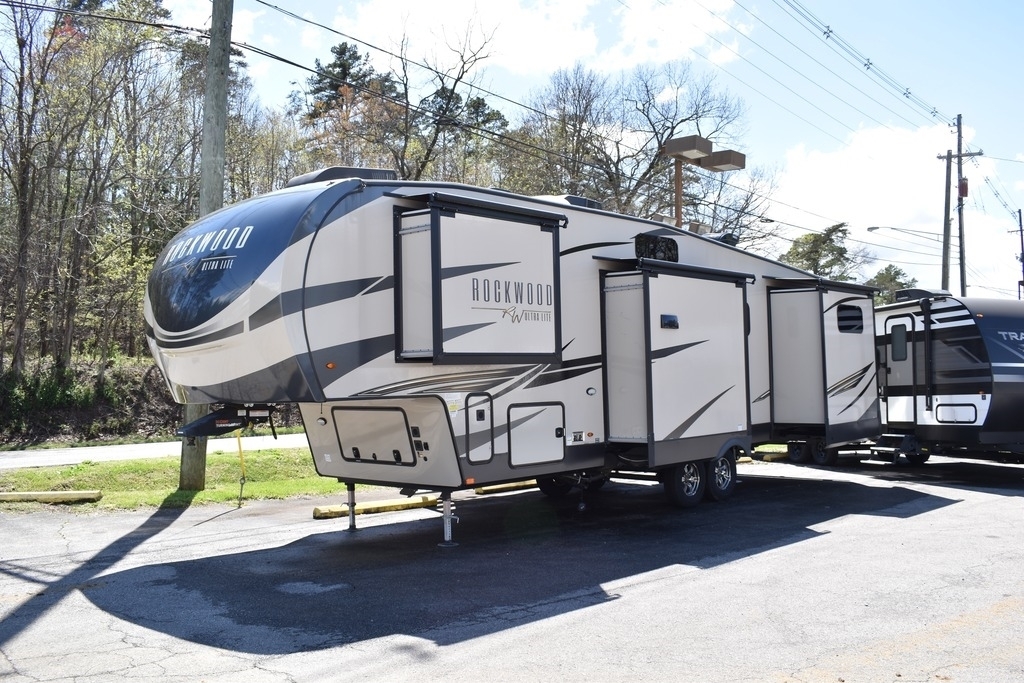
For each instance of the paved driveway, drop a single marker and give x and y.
(864, 573)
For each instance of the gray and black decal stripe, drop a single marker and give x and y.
(669, 350)
(849, 383)
(461, 381)
(351, 355)
(231, 331)
(458, 271)
(678, 432)
(567, 370)
(591, 246)
(295, 300)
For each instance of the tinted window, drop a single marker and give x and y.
(212, 262)
(899, 342)
(851, 319)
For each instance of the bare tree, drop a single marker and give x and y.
(601, 138)
(24, 71)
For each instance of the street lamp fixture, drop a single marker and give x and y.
(922, 233)
(697, 151)
(931, 235)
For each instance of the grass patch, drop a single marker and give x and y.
(274, 473)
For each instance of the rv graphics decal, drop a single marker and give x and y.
(849, 383)
(210, 241)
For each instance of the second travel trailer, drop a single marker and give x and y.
(440, 336)
(951, 376)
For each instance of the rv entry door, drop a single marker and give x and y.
(899, 392)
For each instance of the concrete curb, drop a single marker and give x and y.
(50, 496)
(502, 488)
(334, 511)
(775, 457)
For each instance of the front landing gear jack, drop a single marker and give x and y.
(446, 512)
(351, 506)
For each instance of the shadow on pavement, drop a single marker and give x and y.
(521, 558)
(52, 592)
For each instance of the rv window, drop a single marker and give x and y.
(899, 342)
(851, 319)
(657, 247)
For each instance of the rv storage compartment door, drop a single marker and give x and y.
(536, 433)
(478, 283)
(676, 365)
(387, 440)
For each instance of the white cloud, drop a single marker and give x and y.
(190, 13)
(893, 178)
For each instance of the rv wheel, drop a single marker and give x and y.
(799, 451)
(917, 458)
(721, 476)
(822, 455)
(552, 487)
(684, 484)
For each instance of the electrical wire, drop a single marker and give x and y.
(498, 138)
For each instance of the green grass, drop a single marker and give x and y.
(153, 482)
(135, 439)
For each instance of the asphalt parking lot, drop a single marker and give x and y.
(861, 573)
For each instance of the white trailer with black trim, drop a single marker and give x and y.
(951, 376)
(440, 336)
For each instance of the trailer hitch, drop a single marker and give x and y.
(229, 418)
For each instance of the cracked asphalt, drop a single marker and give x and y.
(865, 572)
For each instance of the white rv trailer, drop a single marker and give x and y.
(951, 376)
(440, 336)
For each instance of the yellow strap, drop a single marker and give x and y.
(241, 462)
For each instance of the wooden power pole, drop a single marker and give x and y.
(961, 193)
(192, 476)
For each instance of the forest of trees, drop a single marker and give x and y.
(101, 114)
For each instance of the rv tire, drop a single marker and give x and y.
(685, 483)
(917, 458)
(721, 476)
(824, 456)
(799, 451)
(553, 487)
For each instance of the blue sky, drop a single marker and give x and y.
(852, 125)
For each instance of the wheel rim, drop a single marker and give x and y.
(691, 479)
(722, 475)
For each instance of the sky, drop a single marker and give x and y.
(852, 106)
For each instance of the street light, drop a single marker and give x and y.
(931, 235)
(697, 151)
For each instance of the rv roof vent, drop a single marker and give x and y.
(730, 238)
(913, 294)
(338, 172)
(583, 201)
(572, 200)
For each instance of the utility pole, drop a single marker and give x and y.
(961, 192)
(946, 228)
(1020, 230)
(192, 476)
(960, 202)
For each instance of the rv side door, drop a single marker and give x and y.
(899, 369)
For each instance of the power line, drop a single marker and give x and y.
(827, 91)
(831, 37)
(496, 137)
